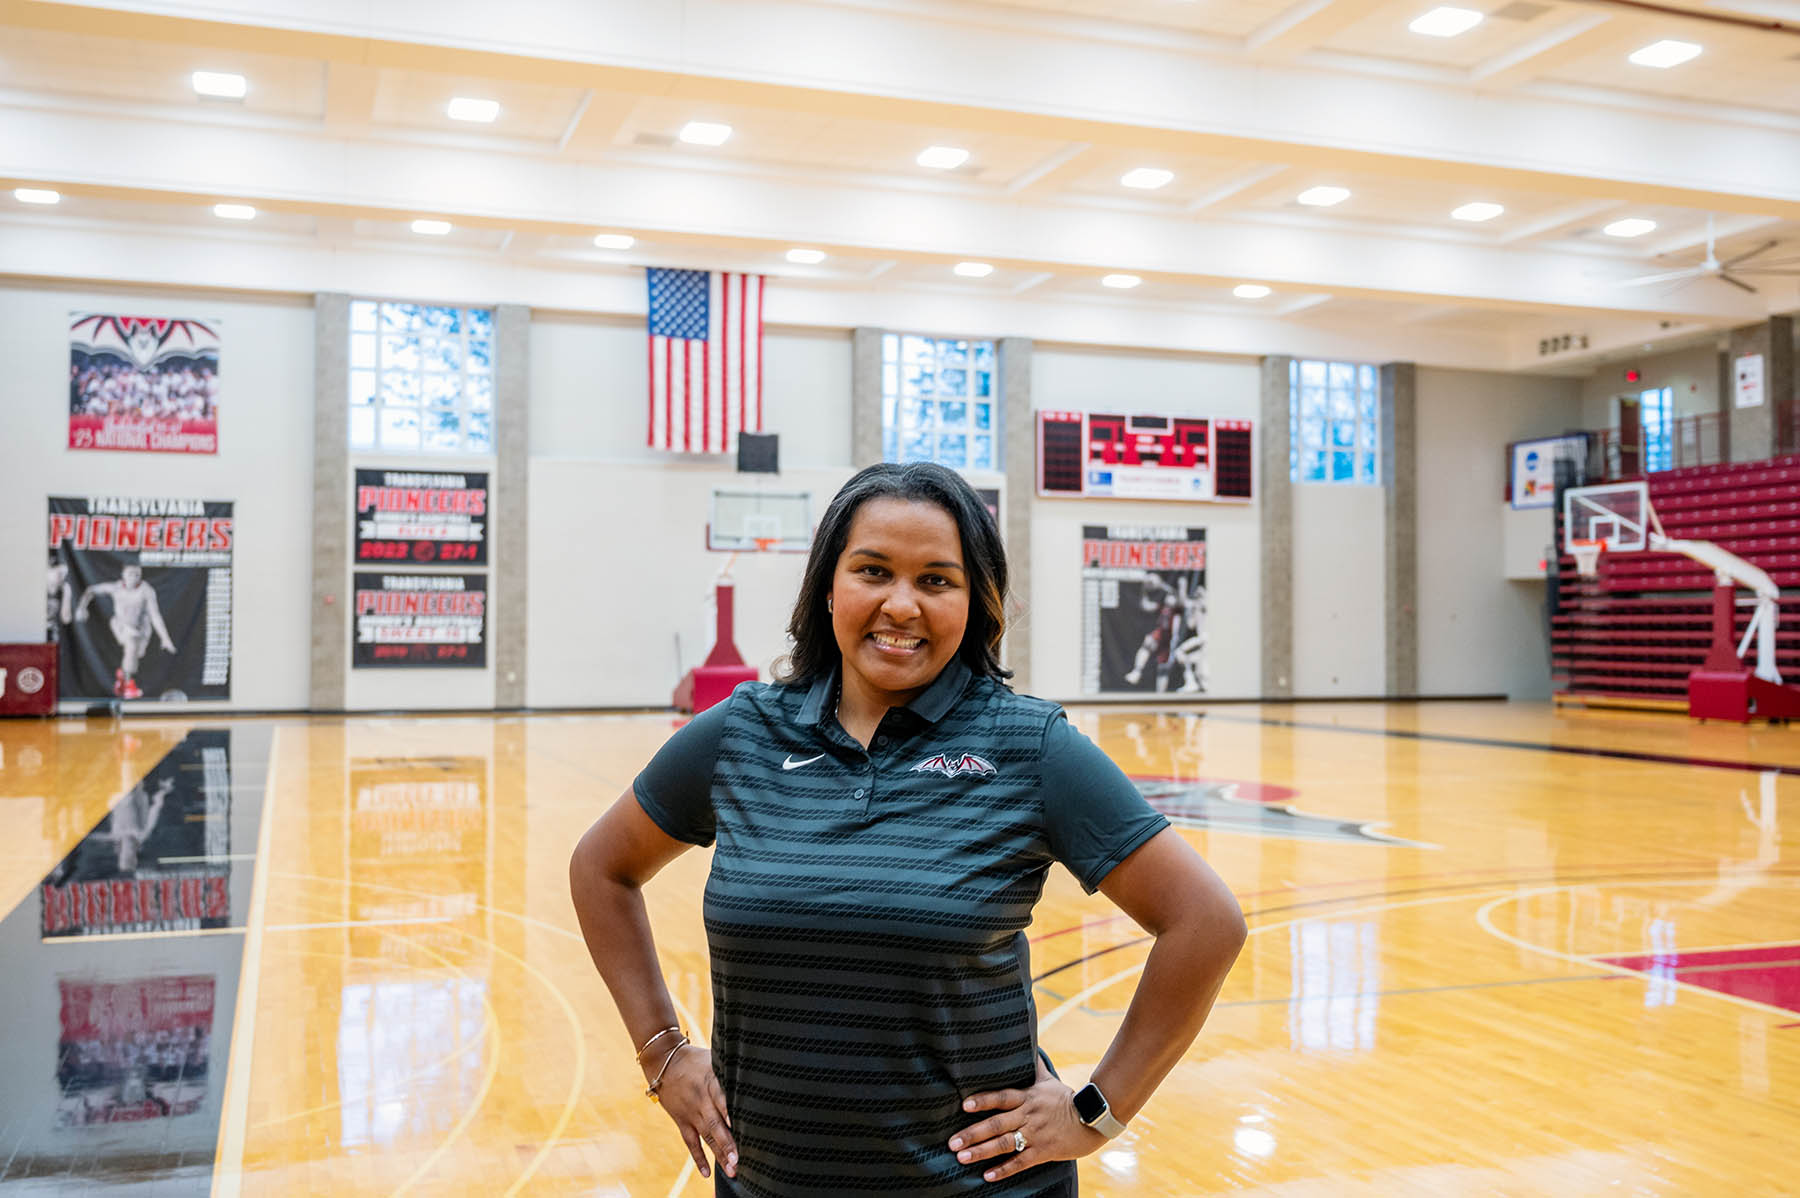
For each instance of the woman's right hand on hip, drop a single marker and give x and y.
(692, 1097)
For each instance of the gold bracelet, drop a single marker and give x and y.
(650, 1091)
(654, 1039)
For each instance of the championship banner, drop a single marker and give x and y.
(139, 598)
(423, 519)
(161, 859)
(420, 620)
(133, 1051)
(143, 383)
(1143, 609)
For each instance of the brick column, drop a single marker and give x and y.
(865, 397)
(1399, 461)
(1276, 501)
(1767, 429)
(1018, 430)
(509, 579)
(331, 501)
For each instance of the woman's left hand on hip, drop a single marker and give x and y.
(1042, 1118)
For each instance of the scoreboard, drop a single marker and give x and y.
(1101, 455)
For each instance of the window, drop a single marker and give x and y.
(1334, 423)
(938, 402)
(421, 378)
(1656, 414)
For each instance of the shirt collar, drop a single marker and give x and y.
(931, 706)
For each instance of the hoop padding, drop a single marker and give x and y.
(1587, 557)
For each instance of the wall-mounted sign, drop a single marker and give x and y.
(1747, 372)
(1532, 470)
(421, 518)
(420, 620)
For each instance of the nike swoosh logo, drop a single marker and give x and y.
(791, 764)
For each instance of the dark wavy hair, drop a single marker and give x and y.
(815, 650)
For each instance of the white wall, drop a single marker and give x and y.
(1085, 378)
(1478, 633)
(264, 465)
(1340, 590)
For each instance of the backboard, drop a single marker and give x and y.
(748, 521)
(1616, 514)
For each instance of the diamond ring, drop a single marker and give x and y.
(1018, 1141)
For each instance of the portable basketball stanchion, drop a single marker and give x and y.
(1725, 687)
(713, 680)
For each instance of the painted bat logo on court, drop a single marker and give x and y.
(1217, 805)
(953, 765)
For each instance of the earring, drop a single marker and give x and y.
(828, 605)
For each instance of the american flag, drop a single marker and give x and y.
(705, 359)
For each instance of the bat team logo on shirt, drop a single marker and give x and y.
(953, 765)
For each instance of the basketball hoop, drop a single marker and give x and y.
(765, 544)
(1587, 556)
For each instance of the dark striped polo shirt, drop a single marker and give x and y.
(866, 912)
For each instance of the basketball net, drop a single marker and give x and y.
(1587, 557)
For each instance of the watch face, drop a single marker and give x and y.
(1090, 1104)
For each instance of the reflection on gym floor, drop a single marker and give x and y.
(1492, 947)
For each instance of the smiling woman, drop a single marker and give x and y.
(885, 816)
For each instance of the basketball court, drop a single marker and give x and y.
(1494, 948)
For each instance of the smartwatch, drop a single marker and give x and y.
(1092, 1109)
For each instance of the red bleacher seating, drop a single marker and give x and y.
(1638, 630)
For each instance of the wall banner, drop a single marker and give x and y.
(1143, 609)
(139, 597)
(425, 519)
(143, 383)
(421, 620)
(132, 1051)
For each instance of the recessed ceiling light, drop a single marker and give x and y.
(1250, 291)
(806, 257)
(1665, 53)
(1631, 226)
(705, 133)
(431, 228)
(614, 241)
(1480, 210)
(1323, 197)
(221, 85)
(943, 158)
(462, 108)
(234, 212)
(1446, 21)
(974, 270)
(36, 195)
(1147, 178)
(1121, 282)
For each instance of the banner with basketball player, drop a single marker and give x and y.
(146, 383)
(139, 597)
(1143, 609)
(422, 518)
(421, 620)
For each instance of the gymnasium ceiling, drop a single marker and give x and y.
(343, 139)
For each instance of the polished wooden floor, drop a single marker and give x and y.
(1495, 949)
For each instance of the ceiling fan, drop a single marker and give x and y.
(1728, 270)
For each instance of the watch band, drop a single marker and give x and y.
(1104, 1122)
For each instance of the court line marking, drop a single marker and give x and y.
(579, 1077)
(1484, 918)
(1791, 942)
(462, 1047)
(1081, 996)
(234, 1106)
(397, 921)
(1448, 738)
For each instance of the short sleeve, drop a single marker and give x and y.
(675, 789)
(1093, 814)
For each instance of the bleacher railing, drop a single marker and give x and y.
(1698, 440)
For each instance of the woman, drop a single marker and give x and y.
(885, 817)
